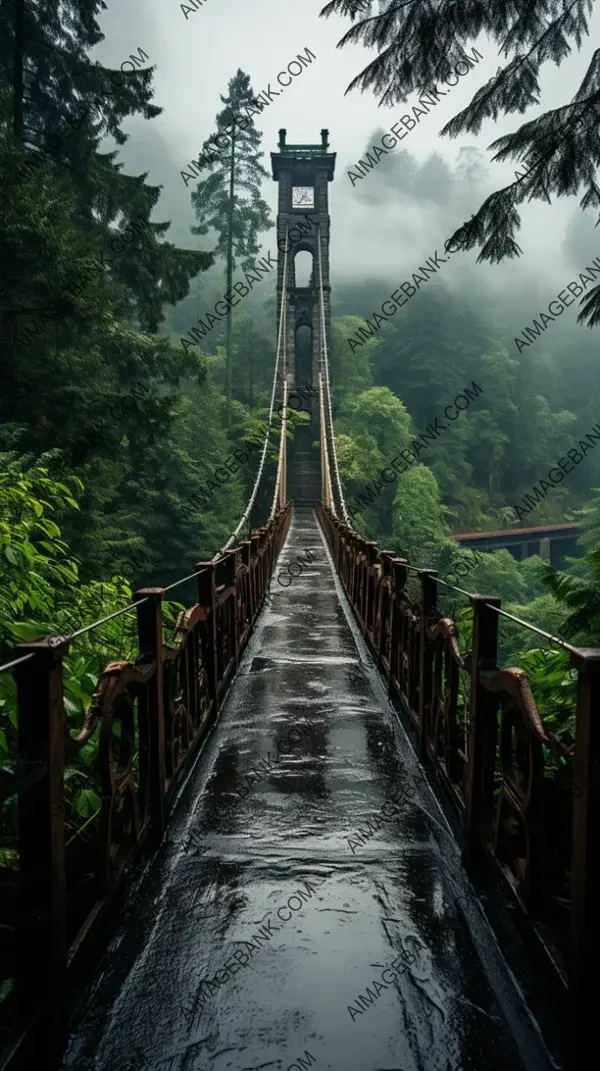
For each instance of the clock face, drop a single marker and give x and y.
(303, 197)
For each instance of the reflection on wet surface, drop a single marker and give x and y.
(308, 907)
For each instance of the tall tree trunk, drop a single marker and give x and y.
(19, 51)
(251, 352)
(229, 277)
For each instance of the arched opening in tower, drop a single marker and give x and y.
(303, 268)
(304, 355)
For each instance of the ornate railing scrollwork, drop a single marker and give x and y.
(124, 814)
(535, 823)
(446, 738)
(152, 714)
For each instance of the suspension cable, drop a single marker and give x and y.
(329, 498)
(327, 490)
(280, 492)
(280, 480)
(324, 458)
(244, 520)
(326, 381)
(280, 485)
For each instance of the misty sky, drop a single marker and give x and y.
(195, 58)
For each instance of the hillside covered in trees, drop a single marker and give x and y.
(113, 424)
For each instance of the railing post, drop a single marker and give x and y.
(246, 559)
(428, 578)
(337, 538)
(263, 563)
(348, 557)
(479, 788)
(399, 573)
(341, 558)
(384, 605)
(42, 910)
(150, 639)
(371, 552)
(355, 572)
(585, 860)
(254, 545)
(229, 576)
(208, 600)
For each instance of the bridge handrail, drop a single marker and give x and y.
(477, 725)
(96, 624)
(326, 384)
(280, 491)
(152, 714)
(279, 362)
(503, 613)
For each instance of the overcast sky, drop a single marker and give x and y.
(196, 57)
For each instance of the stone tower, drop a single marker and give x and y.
(303, 172)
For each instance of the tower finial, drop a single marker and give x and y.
(325, 138)
(282, 134)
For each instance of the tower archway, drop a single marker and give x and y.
(303, 267)
(303, 173)
(303, 349)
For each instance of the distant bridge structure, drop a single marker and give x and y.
(553, 542)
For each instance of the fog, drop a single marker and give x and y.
(377, 230)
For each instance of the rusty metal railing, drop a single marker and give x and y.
(151, 714)
(528, 802)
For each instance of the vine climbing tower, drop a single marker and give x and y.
(303, 173)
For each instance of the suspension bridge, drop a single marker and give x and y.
(334, 831)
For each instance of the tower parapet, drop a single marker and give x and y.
(303, 173)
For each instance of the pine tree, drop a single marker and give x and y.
(419, 45)
(470, 167)
(63, 105)
(229, 200)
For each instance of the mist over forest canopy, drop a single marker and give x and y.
(449, 366)
(127, 472)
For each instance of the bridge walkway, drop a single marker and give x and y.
(263, 916)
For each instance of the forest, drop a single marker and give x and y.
(113, 421)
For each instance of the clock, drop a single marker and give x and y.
(303, 197)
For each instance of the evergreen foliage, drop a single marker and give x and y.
(110, 429)
(229, 200)
(558, 152)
